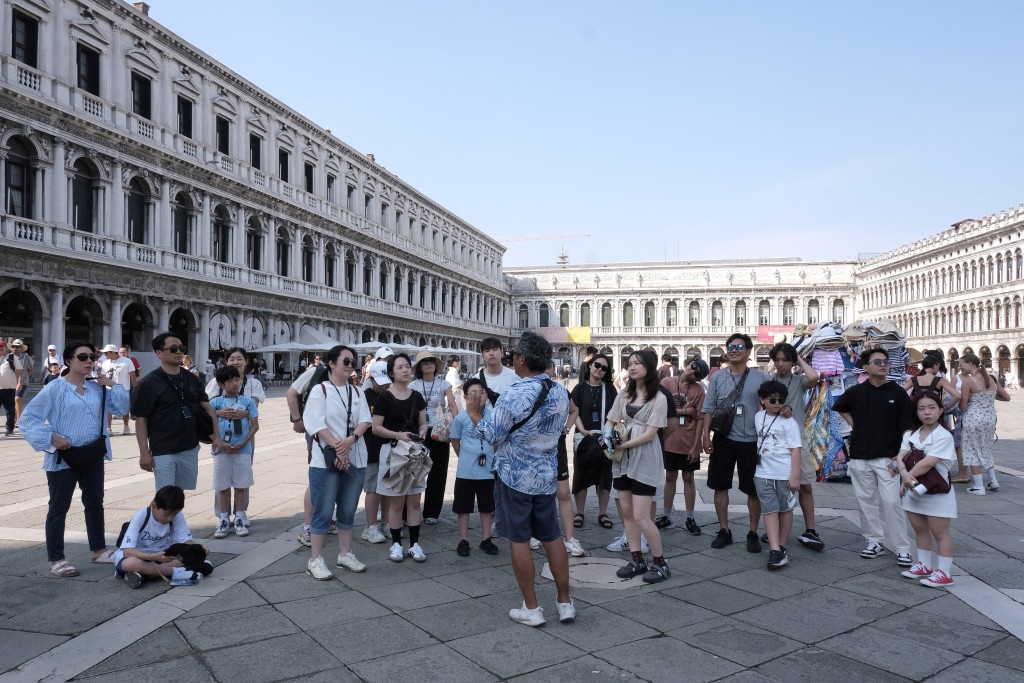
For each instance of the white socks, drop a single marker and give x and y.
(946, 565)
(925, 557)
(991, 474)
(976, 481)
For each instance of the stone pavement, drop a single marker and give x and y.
(722, 615)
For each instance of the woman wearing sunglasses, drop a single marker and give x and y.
(593, 396)
(337, 416)
(70, 412)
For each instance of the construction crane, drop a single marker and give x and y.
(509, 239)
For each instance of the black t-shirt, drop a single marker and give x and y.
(400, 415)
(373, 442)
(159, 398)
(880, 416)
(588, 399)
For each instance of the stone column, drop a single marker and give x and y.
(164, 221)
(204, 243)
(58, 185)
(202, 335)
(239, 332)
(165, 317)
(56, 317)
(113, 323)
(270, 252)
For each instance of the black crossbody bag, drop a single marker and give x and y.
(92, 453)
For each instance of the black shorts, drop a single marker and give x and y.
(466, 490)
(563, 461)
(523, 516)
(627, 485)
(732, 455)
(674, 462)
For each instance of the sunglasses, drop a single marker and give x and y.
(176, 349)
(88, 356)
(598, 366)
(736, 347)
(774, 401)
(878, 362)
(348, 362)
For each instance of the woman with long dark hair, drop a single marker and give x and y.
(594, 396)
(980, 392)
(71, 412)
(642, 408)
(435, 391)
(337, 416)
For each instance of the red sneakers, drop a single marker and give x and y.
(938, 579)
(917, 571)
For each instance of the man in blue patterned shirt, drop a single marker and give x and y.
(524, 429)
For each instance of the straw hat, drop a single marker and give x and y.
(424, 355)
(914, 356)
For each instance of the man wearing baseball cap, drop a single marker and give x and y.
(10, 380)
(121, 370)
(23, 361)
(51, 357)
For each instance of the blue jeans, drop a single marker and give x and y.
(329, 489)
(62, 487)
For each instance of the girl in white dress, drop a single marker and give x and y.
(929, 514)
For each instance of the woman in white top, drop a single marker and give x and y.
(238, 358)
(434, 390)
(455, 379)
(336, 416)
(929, 514)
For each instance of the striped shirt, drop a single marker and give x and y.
(59, 408)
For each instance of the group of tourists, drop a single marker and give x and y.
(385, 432)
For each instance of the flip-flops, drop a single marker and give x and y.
(63, 569)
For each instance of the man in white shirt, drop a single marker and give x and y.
(10, 381)
(122, 371)
(51, 357)
(495, 376)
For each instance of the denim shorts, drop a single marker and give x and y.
(522, 516)
(330, 489)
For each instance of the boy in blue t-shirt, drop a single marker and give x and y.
(473, 478)
(232, 468)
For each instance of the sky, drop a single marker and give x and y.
(664, 130)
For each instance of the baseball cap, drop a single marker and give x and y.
(379, 373)
(383, 352)
(109, 348)
(51, 347)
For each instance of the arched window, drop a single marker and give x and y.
(974, 275)
(284, 249)
(764, 313)
(84, 195)
(331, 265)
(694, 317)
(368, 276)
(838, 311)
(585, 315)
(221, 235)
(740, 313)
(788, 312)
(812, 312)
(999, 268)
(308, 258)
(1019, 255)
(991, 271)
(716, 314)
(524, 317)
(544, 315)
(672, 314)
(383, 274)
(19, 180)
(350, 272)
(627, 314)
(138, 214)
(253, 243)
(959, 281)
(606, 315)
(563, 315)
(182, 217)
(398, 285)
(649, 314)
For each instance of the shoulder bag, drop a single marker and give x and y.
(587, 447)
(204, 423)
(331, 455)
(933, 481)
(92, 453)
(723, 415)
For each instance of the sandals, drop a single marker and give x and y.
(577, 520)
(64, 570)
(105, 557)
(605, 521)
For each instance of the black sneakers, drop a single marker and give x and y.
(692, 526)
(462, 548)
(753, 543)
(809, 539)
(777, 558)
(487, 545)
(632, 569)
(722, 539)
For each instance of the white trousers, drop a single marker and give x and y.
(878, 496)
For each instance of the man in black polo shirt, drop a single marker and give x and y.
(879, 412)
(165, 403)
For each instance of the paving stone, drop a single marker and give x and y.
(478, 582)
(768, 584)
(747, 677)
(238, 596)
(955, 635)
(230, 628)
(850, 605)
(435, 664)
(951, 607)
(977, 670)
(17, 647)
(892, 652)
(379, 572)
(798, 623)
(270, 660)
(314, 613)
(285, 587)
(807, 567)
(999, 573)
(546, 597)
(661, 660)
(357, 641)
(289, 564)
(416, 594)
(582, 670)
(658, 610)
(596, 628)
(336, 675)
(453, 620)
(1007, 652)
(181, 669)
(447, 562)
(93, 603)
(717, 597)
(736, 641)
(717, 565)
(516, 649)
(161, 645)
(814, 665)
(890, 588)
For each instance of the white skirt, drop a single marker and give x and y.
(937, 505)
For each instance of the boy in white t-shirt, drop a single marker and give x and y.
(150, 532)
(777, 476)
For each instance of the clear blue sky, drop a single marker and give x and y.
(735, 129)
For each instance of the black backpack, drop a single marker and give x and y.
(319, 376)
(492, 396)
(124, 527)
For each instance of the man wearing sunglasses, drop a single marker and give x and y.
(879, 412)
(737, 449)
(165, 404)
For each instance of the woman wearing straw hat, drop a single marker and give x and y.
(434, 390)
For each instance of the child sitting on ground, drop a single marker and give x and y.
(777, 476)
(233, 468)
(151, 531)
(473, 478)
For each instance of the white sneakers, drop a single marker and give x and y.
(349, 561)
(535, 617)
(372, 534)
(240, 528)
(534, 544)
(126, 431)
(566, 611)
(396, 554)
(573, 547)
(222, 528)
(318, 569)
(621, 544)
(416, 553)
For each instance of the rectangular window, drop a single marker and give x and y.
(398, 221)
(253, 249)
(88, 69)
(19, 189)
(25, 34)
(367, 199)
(184, 116)
(330, 187)
(282, 165)
(307, 169)
(142, 96)
(223, 135)
(255, 149)
(384, 214)
(350, 194)
(180, 218)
